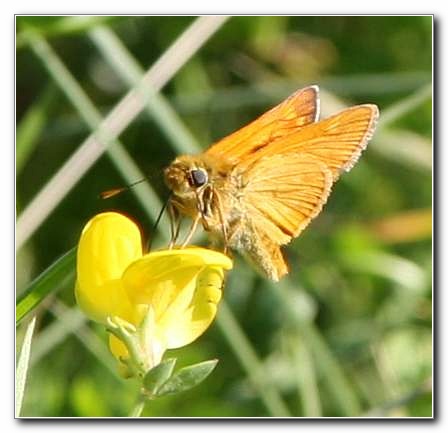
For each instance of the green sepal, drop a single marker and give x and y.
(158, 375)
(187, 378)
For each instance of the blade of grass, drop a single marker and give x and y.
(400, 270)
(403, 401)
(405, 105)
(92, 117)
(62, 26)
(71, 321)
(31, 126)
(131, 73)
(405, 147)
(306, 377)
(49, 281)
(341, 389)
(117, 120)
(182, 50)
(271, 92)
(327, 364)
(22, 365)
(248, 358)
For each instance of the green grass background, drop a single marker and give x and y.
(349, 332)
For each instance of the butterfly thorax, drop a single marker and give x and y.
(205, 187)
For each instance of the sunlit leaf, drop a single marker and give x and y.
(52, 279)
(158, 375)
(187, 377)
(22, 366)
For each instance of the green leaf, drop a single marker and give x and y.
(48, 281)
(73, 90)
(256, 371)
(187, 378)
(22, 366)
(54, 26)
(31, 126)
(129, 70)
(158, 375)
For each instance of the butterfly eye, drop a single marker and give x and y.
(197, 177)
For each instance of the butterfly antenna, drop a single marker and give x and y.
(159, 217)
(115, 191)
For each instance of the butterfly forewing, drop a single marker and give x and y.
(336, 141)
(300, 109)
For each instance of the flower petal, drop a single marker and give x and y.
(108, 244)
(168, 276)
(183, 287)
(109, 299)
(117, 347)
(184, 325)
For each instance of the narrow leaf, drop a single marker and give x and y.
(31, 126)
(187, 378)
(48, 281)
(22, 366)
(158, 375)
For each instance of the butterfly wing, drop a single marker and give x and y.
(300, 109)
(283, 193)
(287, 183)
(336, 141)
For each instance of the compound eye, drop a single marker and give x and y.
(198, 177)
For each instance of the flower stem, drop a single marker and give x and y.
(138, 408)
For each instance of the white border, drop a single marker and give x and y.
(192, 8)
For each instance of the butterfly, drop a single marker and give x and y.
(258, 188)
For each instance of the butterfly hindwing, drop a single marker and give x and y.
(283, 193)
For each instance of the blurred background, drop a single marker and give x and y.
(349, 331)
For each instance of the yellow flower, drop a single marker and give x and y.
(175, 292)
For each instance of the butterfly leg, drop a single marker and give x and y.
(218, 204)
(225, 237)
(174, 225)
(192, 230)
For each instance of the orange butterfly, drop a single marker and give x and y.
(258, 188)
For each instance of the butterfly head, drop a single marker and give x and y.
(185, 175)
